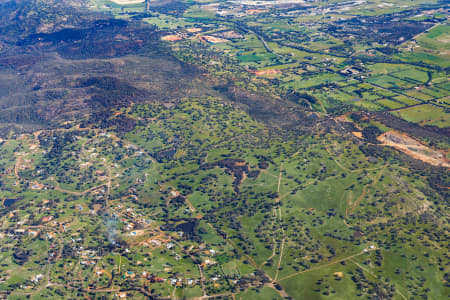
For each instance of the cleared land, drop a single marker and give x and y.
(414, 149)
(127, 2)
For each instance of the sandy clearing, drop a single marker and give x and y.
(342, 118)
(358, 134)
(172, 38)
(256, 11)
(414, 148)
(213, 39)
(193, 30)
(125, 2)
(268, 73)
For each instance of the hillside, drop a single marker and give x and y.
(224, 149)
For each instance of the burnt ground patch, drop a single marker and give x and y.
(104, 38)
(20, 19)
(92, 64)
(110, 91)
(188, 226)
(265, 108)
(172, 7)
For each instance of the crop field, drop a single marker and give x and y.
(391, 82)
(438, 38)
(391, 104)
(385, 68)
(407, 100)
(434, 59)
(419, 95)
(412, 75)
(426, 114)
(313, 80)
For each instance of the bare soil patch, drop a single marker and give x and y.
(172, 38)
(213, 39)
(125, 2)
(193, 30)
(414, 148)
(231, 35)
(358, 134)
(342, 118)
(268, 73)
(256, 11)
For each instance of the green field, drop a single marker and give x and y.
(426, 114)
(390, 104)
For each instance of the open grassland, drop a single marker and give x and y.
(426, 114)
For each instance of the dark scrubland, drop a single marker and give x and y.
(83, 68)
